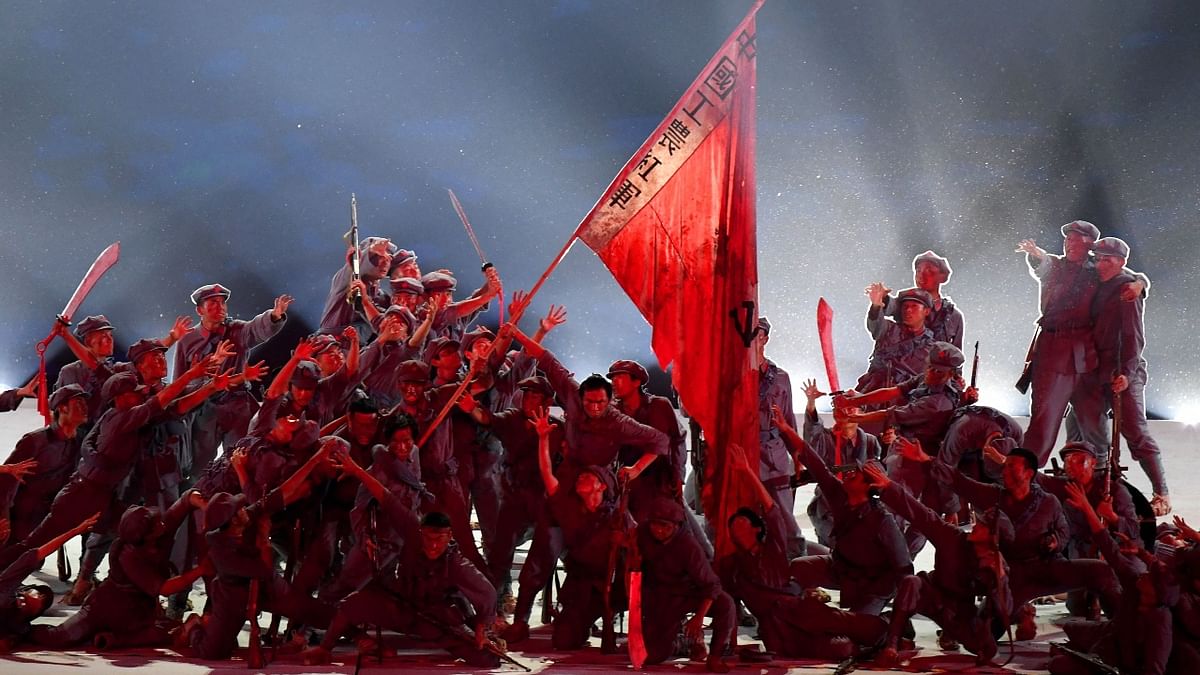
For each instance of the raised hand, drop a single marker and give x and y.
(223, 381)
(875, 474)
(541, 422)
(254, 372)
(1186, 530)
(304, 351)
(1029, 247)
(224, 350)
(1077, 497)
(877, 292)
(493, 281)
(554, 318)
(990, 451)
(281, 306)
(910, 449)
(181, 327)
(19, 470)
(517, 305)
(811, 391)
(350, 334)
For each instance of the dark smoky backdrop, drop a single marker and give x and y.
(220, 142)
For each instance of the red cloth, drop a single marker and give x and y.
(677, 230)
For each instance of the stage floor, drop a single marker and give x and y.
(1177, 440)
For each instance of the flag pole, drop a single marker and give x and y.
(466, 381)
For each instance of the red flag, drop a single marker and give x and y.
(677, 230)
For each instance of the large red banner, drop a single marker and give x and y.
(677, 230)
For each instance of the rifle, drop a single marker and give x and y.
(255, 660)
(1114, 452)
(373, 534)
(459, 632)
(1026, 378)
(608, 636)
(975, 365)
(289, 572)
(354, 297)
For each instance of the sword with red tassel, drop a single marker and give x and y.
(462, 215)
(107, 258)
(825, 334)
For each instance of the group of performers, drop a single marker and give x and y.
(342, 493)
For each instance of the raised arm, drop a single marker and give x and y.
(876, 312)
(904, 505)
(56, 543)
(541, 422)
(283, 378)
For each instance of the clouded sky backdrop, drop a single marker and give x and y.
(220, 141)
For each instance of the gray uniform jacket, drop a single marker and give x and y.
(871, 553)
(898, 355)
(597, 441)
(245, 335)
(945, 322)
(1034, 518)
(774, 389)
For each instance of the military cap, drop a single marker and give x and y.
(478, 333)
(210, 291)
(306, 376)
(915, 295)
(1111, 246)
(538, 384)
(1082, 227)
(144, 346)
(409, 285)
(221, 508)
(441, 344)
(413, 371)
(403, 255)
(945, 355)
(323, 342)
(66, 393)
(1078, 446)
(630, 368)
(665, 509)
(121, 383)
(438, 281)
(92, 324)
(937, 260)
(136, 523)
(763, 326)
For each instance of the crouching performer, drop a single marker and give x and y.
(966, 565)
(241, 558)
(678, 579)
(124, 610)
(431, 592)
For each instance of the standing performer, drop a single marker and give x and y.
(775, 464)
(1120, 334)
(930, 271)
(375, 255)
(223, 420)
(1063, 349)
